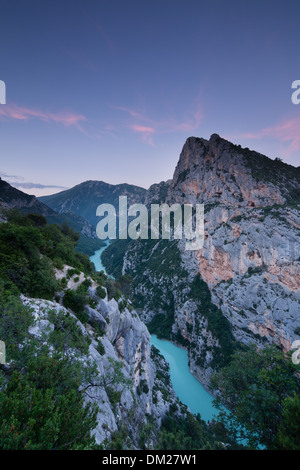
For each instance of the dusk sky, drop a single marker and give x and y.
(110, 89)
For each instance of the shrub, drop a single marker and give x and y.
(101, 292)
(76, 300)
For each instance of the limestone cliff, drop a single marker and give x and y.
(217, 171)
(118, 337)
(249, 262)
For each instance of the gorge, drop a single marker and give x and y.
(188, 389)
(239, 291)
(243, 285)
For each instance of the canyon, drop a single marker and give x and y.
(242, 286)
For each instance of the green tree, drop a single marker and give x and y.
(35, 416)
(67, 334)
(253, 388)
(187, 432)
(289, 430)
(15, 319)
(76, 300)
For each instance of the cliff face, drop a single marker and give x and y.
(216, 171)
(250, 257)
(125, 395)
(249, 262)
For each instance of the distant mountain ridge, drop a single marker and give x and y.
(12, 198)
(84, 198)
(209, 171)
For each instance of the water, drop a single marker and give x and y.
(96, 257)
(188, 389)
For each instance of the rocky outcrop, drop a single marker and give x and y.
(250, 260)
(124, 340)
(216, 171)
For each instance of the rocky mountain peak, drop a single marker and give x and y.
(218, 171)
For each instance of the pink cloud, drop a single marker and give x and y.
(145, 131)
(147, 127)
(131, 112)
(103, 34)
(286, 131)
(189, 124)
(24, 113)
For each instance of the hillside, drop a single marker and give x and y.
(14, 199)
(52, 300)
(84, 198)
(80, 372)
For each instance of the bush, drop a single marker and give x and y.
(67, 334)
(254, 388)
(58, 263)
(217, 323)
(15, 319)
(76, 300)
(101, 292)
(41, 409)
(100, 348)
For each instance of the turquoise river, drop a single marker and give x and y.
(188, 389)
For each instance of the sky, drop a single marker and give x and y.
(110, 89)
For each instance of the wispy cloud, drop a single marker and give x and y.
(145, 132)
(101, 30)
(10, 177)
(28, 185)
(23, 113)
(99, 26)
(286, 131)
(92, 129)
(131, 112)
(147, 127)
(37, 189)
(190, 123)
